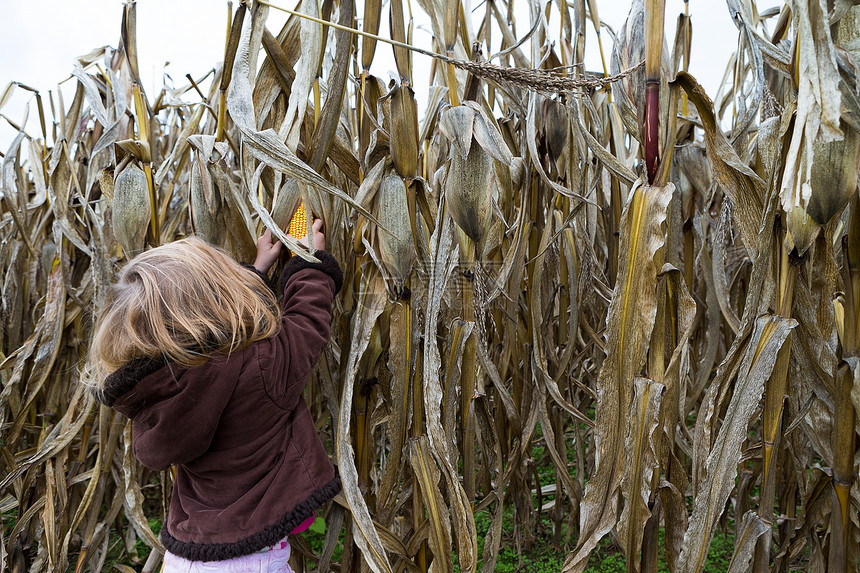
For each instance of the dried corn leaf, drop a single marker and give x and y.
(741, 183)
(132, 498)
(767, 338)
(741, 19)
(818, 98)
(630, 321)
(399, 363)
(306, 72)
(427, 475)
(641, 449)
(444, 256)
(10, 191)
(370, 306)
(752, 527)
(93, 95)
(331, 112)
(58, 438)
(50, 332)
(854, 365)
(675, 515)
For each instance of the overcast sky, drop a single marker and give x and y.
(40, 39)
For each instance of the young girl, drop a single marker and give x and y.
(211, 372)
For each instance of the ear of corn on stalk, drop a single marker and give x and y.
(468, 191)
(370, 23)
(287, 202)
(131, 209)
(833, 181)
(629, 50)
(396, 246)
(475, 142)
(556, 129)
(206, 206)
(403, 141)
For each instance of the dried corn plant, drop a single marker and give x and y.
(548, 267)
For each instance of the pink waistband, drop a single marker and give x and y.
(304, 525)
(283, 543)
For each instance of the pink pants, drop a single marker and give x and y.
(273, 560)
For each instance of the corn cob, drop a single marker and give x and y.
(298, 224)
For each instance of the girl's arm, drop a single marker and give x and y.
(309, 290)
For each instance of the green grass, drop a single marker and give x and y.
(606, 564)
(315, 536)
(9, 519)
(608, 559)
(542, 557)
(545, 556)
(117, 552)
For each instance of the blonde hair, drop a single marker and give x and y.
(183, 301)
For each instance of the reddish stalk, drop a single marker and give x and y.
(652, 128)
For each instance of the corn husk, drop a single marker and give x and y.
(206, 205)
(468, 190)
(833, 181)
(556, 129)
(131, 209)
(629, 50)
(286, 202)
(403, 144)
(370, 24)
(518, 172)
(475, 143)
(396, 247)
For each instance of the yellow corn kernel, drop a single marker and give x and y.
(298, 224)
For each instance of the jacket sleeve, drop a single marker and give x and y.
(309, 290)
(181, 417)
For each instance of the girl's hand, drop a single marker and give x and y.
(268, 252)
(319, 238)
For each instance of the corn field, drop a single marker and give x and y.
(598, 271)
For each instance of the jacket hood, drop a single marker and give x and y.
(125, 378)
